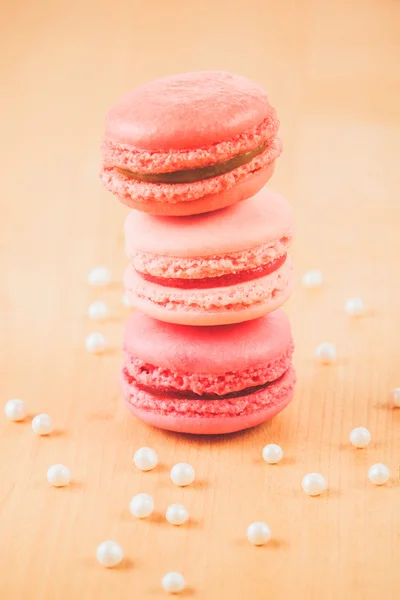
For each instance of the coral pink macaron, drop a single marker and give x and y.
(207, 380)
(190, 143)
(222, 267)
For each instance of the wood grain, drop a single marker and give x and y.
(331, 69)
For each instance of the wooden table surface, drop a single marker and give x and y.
(331, 69)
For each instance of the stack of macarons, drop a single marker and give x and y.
(208, 350)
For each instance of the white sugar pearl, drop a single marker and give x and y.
(354, 307)
(313, 484)
(360, 437)
(258, 533)
(326, 353)
(142, 505)
(177, 514)
(99, 276)
(125, 301)
(182, 474)
(396, 397)
(58, 475)
(42, 424)
(145, 459)
(312, 278)
(109, 554)
(98, 311)
(95, 343)
(272, 453)
(173, 583)
(15, 409)
(378, 474)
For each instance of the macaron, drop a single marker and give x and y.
(222, 267)
(190, 143)
(207, 380)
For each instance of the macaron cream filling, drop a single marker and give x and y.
(220, 280)
(214, 271)
(168, 383)
(196, 174)
(189, 395)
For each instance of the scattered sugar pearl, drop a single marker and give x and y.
(98, 311)
(360, 437)
(42, 424)
(145, 459)
(272, 453)
(173, 583)
(58, 475)
(182, 474)
(312, 278)
(258, 533)
(326, 353)
(125, 301)
(177, 514)
(354, 307)
(109, 554)
(99, 276)
(378, 474)
(313, 484)
(142, 505)
(95, 343)
(396, 397)
(15, 409)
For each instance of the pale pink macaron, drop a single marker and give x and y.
(207, 380)
(190, 143)
(223, 267)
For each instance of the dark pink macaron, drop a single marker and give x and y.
(191, 143)
(207, 380)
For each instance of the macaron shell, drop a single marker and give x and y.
(265, 217)
(188, 110)
(214, 306)
(211, 202)
(211, 319)
(212, 416)
(218, 350)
